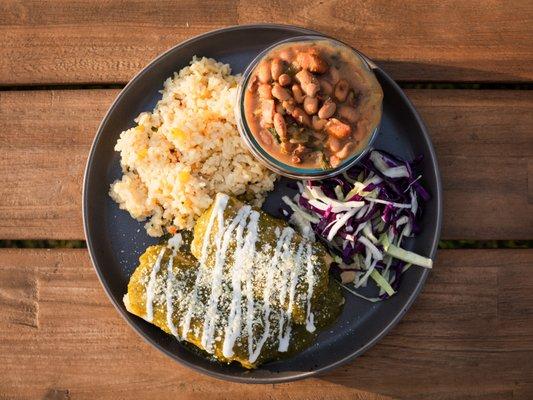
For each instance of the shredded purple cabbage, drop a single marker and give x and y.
(394, 219)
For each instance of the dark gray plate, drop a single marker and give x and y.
(115, 240)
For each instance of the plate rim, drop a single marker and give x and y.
(298, 375)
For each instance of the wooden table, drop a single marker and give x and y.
(469, 334)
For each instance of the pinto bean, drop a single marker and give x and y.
(276, 68)
(311, 89)
(334, 144)
(345, 151)
(297, 93)
(266, 137)
(348, 113)
(327, 109)
(263, 72)
(280, 93)
(299, 115)
(334, 161)
(338, 129)
(267, 112)
(265, 91)
(341, 90)
(280, 109)
(280, 126)
(305, 77)
(284, 79)
(308, 82)
(288, 106)
(310, 105)
(318, 123)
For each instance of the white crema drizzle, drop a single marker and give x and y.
(284, 240)
(310, 276)
(212, 316)
(221, 202)
(150, 288)
(284, 335)
(242, 269)
(249, 288)
(281, 274)
(174, 243)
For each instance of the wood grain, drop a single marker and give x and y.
(109, 41)
(468, 336)
(483, 140)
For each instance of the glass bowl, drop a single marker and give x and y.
(265, 157)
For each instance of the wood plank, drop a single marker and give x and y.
(484, 143)
(109, 41)
(468, 336)
(483, 140)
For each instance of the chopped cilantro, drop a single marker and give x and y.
(324, 164)
(291, 70)
(275, 134)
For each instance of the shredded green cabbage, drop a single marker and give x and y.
(382, 282)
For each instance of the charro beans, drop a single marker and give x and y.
(312, 104)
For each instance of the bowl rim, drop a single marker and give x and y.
(243, 379)
(264, 156)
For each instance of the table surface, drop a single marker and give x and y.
(470, 333)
